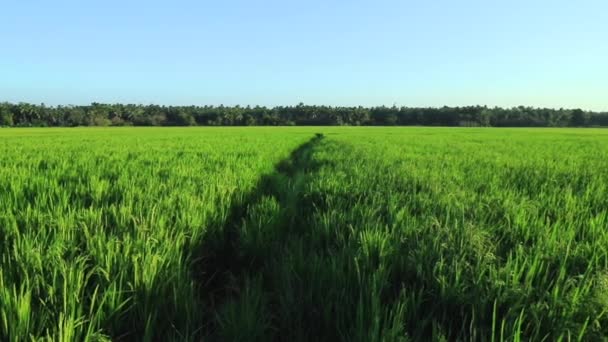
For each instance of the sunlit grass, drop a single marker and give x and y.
(355, 234)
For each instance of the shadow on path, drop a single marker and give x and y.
(257, 224)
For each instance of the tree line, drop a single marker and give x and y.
(99, 114)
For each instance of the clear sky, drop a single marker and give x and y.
(551, 53)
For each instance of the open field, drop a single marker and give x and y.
(303, 233)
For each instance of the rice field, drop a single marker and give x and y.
(303, 233)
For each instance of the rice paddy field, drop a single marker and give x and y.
(300, 234)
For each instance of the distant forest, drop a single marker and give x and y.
(98, 114)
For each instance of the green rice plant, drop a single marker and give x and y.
(345, 233)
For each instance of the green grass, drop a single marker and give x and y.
(299, 234)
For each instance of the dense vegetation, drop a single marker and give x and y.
(299, 234)
(25, 115)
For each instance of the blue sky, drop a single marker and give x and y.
(549, 53)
